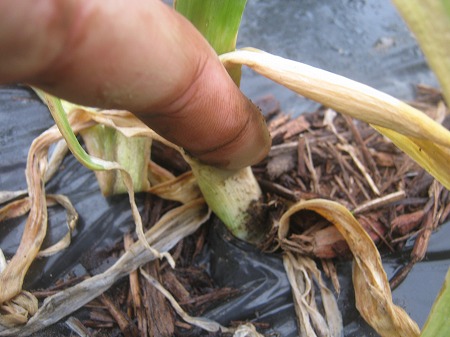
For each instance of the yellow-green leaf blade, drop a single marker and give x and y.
(430, 22)
(434, 158)
(421, 137)
(437, 324)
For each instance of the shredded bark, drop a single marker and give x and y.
(320, 154)
(345, 160)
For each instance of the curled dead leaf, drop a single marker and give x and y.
(372, 292)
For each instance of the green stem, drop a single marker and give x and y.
(233, 196)
(96, 164)
(132, 153)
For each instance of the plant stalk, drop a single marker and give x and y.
(234, 196)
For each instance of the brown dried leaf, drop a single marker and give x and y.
(183, 188)
(72, 219)
(17, 310)
(172, 227)
(6, 196)
(423, 139)
(15, 209)
(11, 278)
(301, 271)
(158, 174)
(372, 293)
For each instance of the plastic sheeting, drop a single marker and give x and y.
(364, 40)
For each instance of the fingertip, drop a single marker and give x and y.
(248, 148)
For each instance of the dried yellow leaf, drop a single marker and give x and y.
(413, 131)
(372, 292)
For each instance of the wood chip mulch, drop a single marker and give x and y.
(327, 155)
(314, 155)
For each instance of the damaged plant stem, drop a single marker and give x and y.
(97, 164)
(234, 196)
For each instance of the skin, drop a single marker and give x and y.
(137, 55)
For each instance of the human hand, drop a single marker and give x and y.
(139, 56)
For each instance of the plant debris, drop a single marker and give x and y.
(345, 160)
(315, 155)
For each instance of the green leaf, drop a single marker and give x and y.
(218, 21)
(437, 324)
(430, 22)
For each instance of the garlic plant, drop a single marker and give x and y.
(233, 195)
(430, 23)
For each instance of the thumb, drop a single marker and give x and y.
(135, 55)
(207, 114)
